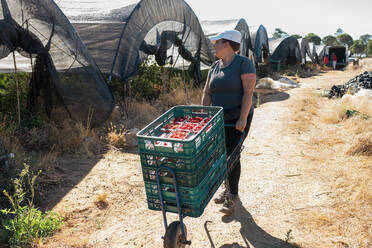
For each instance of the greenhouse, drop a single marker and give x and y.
(286, 50)
(260, 45)
(65, 78)
(125, 37)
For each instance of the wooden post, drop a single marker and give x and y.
(18, 103)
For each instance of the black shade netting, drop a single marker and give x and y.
(64, 73)
(245, 44)
(286, 50)
(153, 27)
(260, 44)
(305, 49)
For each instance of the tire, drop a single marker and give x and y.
(173, 237)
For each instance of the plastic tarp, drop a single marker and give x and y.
(260, 44)
(214, 27)
(320, 52)
(245, 44)
(305, 49)
(285, 50)
(64, 74)
(152, 28)
(101, 33)
(313, 52)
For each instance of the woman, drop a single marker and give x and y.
(230, 84)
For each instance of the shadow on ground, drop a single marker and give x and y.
(69, 172)
(272, 97)
(252, 234)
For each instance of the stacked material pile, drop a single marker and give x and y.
(362, 81)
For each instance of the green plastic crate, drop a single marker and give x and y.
(185, 164)
(149, 142)
(190, 208)
(189, 194)
(186, 179)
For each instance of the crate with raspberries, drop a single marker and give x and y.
(183, 148)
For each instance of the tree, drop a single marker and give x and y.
(339, 31)
(369, 48)
(297, 36)
(345, 39)
(330, 40)
(365, 38)
(279, 33)
(358, 47)
(311, 37)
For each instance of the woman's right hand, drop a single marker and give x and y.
(240, 124)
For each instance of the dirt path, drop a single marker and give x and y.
(275, 186)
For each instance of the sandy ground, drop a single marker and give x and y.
(275, 187)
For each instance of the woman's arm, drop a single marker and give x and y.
(248, 81)
(206, 98)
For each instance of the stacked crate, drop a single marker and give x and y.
(198, 157)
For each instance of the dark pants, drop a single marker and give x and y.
(232, 137)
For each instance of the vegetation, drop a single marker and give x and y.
(330, 40)
(358, 47)
(297, 36)
(339, 31)
(365, 38)
(8, 100)
(345, 39)
(25, 224)
(278, 33)
(311, 37)
(369, 48)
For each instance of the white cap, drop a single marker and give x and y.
(233, 35)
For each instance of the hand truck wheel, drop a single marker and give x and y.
(174, 238)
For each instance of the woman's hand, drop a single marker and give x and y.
(240, 124)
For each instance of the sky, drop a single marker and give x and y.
(322, 17)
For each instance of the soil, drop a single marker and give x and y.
(104, 202)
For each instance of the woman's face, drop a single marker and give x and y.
(219, 47)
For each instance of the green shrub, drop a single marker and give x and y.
(148, 83)
(25, 223)
(8, 100)
(152, 80)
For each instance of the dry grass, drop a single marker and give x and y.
(116, 137)
(363, 146)
(188, 96)
(343, 146)
(9, 138)
(347, 218)
(366, 64)
(356, 130)
(137, 114)
(140, 113)
(305, 111)
(70, 137)
(71, 242)
(101, 201)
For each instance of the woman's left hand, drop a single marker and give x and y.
(240, 124)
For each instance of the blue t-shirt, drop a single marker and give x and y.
(225, 84)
